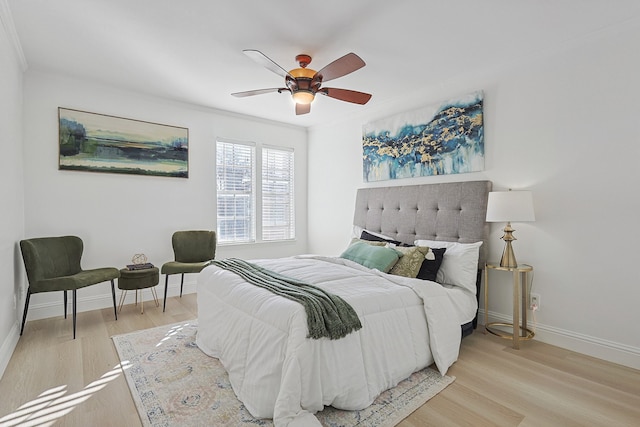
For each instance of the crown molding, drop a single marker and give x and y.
(9, 28)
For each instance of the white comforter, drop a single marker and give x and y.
(277, 372)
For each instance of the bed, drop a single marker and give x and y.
(407, 323)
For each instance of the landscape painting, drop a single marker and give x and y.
(447, 138)
(101, 143)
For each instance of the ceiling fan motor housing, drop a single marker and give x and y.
(303, 87)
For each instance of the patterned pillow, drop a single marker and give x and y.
(411, 261)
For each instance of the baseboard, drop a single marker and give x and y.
(8, 346)
(585, 344)
(97, 302)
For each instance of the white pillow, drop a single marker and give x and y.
(459, 264)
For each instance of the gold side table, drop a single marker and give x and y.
(520, 280)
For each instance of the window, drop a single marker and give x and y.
(278, 215)
(248, 207)
(235, 172)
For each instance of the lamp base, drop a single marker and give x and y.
(508, 259)
(508, 256)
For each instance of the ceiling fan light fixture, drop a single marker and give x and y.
(303, 83)
(305, 73)
(303, 96)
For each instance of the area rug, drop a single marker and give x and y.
(173, 383)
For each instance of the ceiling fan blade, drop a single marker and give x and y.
(303, 109)
(259, 92)
(341, 67)
(266, 62)
(346, 95)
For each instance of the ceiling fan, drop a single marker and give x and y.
(304, 83)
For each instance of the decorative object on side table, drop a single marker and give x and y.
(507, 206)
(139, 262)
(520, 280)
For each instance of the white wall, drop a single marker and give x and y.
(11, 195)
(119, 215)
(564, 125)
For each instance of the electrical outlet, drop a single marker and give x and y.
(534, 302)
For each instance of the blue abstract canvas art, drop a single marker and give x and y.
(447, 138)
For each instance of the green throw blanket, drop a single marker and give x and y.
(328, 315)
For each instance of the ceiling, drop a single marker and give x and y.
(191, 50)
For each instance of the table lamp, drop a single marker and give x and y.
(507, 206)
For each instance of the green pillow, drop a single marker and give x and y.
(411, 261)
(375, 257)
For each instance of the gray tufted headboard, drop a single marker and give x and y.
(453, 212)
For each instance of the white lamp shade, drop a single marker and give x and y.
(507, 206)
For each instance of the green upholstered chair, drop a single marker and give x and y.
(53, 264)
(193, 251)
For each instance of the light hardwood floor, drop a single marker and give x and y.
(55, 380)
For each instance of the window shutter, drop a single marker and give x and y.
(278, 209)
(235, 172)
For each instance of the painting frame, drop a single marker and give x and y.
(438, 139)
(95, 142)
